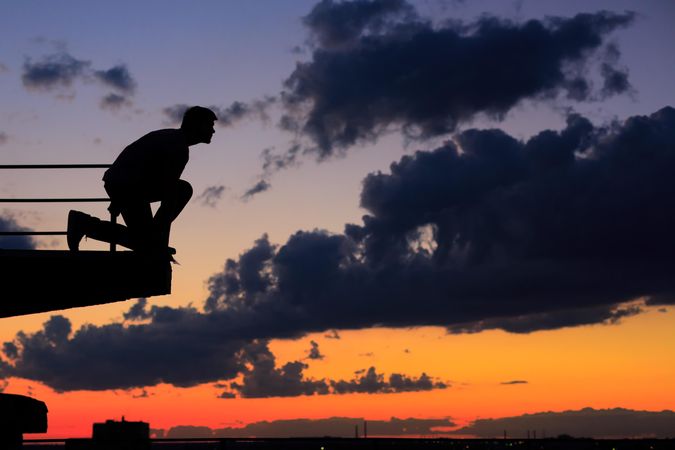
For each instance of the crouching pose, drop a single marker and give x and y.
(148, 170)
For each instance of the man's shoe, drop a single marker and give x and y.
(77, 228)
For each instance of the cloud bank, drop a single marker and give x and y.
(139, 356)
(616, 423)
(568, 228)
(376, 66)
(587, 422)
(334, 427)
(484, 232)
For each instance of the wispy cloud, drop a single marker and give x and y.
(211, 195)
(229, 115)
(257, 188)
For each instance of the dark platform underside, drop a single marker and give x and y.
(36, 281)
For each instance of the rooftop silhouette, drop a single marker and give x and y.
(18, 415)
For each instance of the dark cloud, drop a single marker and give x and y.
(60, 70)
(8, 223)
(588, 422)
(117, 77)
(3, 68)
(333, 427)
(491, 232)
(238, 111)
(141, 394)
(273, 162)
(227, 116)
(10, 350)
(114, 102)
(3, 138)
(179, 346)
(189, 431)
(260, 186)
(53, 71)
(332, 334)
(174, 114)
(263, 379)
(227, 394)
(661, 299)
(550, 320)
(251, 273)
(567, 228)
(314, 352)
(378, 66)
(138, 311)
(339, 24)
(372, 382)
(615, 77)
(508, 383)
(211, 195)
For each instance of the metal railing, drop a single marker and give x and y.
(113, 217)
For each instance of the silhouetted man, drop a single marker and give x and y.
(148, 170)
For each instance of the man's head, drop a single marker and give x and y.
(198, 124)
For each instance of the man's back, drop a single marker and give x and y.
(151, 163)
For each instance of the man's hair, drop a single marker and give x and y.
(197, 115)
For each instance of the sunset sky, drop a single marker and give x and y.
(436, 210)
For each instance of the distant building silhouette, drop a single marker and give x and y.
(113, 435)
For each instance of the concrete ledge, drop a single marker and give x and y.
(47, 280)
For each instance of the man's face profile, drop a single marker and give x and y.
(204, 131)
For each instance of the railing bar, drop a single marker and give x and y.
(52, 200)
(35, 233)
(54, 166)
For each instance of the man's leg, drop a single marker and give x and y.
(172, 203)
(81, 225)
(138, 218)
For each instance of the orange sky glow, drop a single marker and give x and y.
(569, 369)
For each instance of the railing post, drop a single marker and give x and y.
(113, 244)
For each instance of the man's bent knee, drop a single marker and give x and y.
(184, 189)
